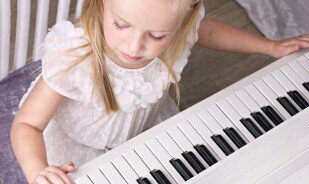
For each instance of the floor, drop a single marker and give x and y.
(208, 71)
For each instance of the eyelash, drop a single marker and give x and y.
(152, 37)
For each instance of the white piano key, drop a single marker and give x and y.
(272, 97)
(205, 132)
(300, 70)
(244, 96)
(235, 117)
(173, 149)
(304, 61)
(246, 99)
(215, 127)
(239, 107)
(153, 163)
(260, 98)
(278, 89)
(192, 134)
(274, 85)
(296, 80)
(138, 165)
(221, 118)
(183, 142)
(111, 173)
(257, 95)
(125, 169)
(304, 64)
(283, 80)
(83, 180)
(164, 157)
(242, 109)
(97, 177)
(286, 83)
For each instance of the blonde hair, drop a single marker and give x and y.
(91, 20)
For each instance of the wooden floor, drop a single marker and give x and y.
(208, 71)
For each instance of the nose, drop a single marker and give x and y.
(136, 44)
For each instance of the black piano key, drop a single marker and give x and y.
(159, 177)
(205, 154)
(272, 115)
(235, 137)
(298, 99)
(262, 121)
(252, 128)
(285, 102)
(143, 180)
(193, 161)
(223, 145)
(181, 169)
(306, 85)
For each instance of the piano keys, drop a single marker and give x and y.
(255, 130)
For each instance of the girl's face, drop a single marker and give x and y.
(137, 31)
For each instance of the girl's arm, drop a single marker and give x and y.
(217, 35)
(28, 125)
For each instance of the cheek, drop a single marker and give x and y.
(158, 48)
(112, 36)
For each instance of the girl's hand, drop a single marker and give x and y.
(55, 174)
(281, 48)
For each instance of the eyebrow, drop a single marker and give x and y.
(131, 24)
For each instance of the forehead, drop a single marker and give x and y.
(156, 15)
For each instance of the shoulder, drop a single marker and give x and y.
(64, 35)
(192, 38)
(63, 46)
(193, 35)
(200, 15)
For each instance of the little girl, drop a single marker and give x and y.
(105, 79)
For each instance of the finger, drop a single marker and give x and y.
(70, 163)
(304, 36)
(304, 39)
(68, 167)
(303, 43)
(292, 41)
(299, 42)
(54, 178)
(41, 179)
(60, 173)
(289, 49)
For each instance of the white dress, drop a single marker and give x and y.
(81, 130)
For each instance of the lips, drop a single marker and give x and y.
(130, 58)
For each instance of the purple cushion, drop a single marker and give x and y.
(12, 88)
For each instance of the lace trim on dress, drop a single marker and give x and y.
(116, 69)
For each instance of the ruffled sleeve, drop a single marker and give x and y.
(75, 83)
(193, 35)
(191, 40)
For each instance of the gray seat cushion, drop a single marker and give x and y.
(12, 88)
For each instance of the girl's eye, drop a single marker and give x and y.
(118, 26)
(151, 36)
(156, 38)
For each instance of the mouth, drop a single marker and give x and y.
(130, 58)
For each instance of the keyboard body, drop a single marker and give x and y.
(278, 155)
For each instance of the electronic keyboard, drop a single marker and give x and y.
(254, 131)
